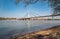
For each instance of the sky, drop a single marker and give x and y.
(8, 8)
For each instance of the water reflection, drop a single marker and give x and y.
(17, 27)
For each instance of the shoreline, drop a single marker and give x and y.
(39, 33)
(26, 19)
(33, 19)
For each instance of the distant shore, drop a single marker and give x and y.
(8, 19)
(25, 19)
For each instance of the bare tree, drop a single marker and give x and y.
(55, 4)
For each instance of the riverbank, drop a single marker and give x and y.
(27, 19)
(50, 33)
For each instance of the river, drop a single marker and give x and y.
(18, 27)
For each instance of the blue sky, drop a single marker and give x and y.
(8, 8)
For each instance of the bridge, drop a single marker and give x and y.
(40, 17)
(56, 12)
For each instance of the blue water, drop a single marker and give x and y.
(18, 27)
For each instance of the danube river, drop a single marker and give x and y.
(10, 28)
